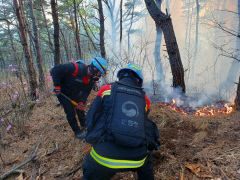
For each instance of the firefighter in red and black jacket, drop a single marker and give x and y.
(119, 130)
(73, 82)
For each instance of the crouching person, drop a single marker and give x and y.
(118, 129)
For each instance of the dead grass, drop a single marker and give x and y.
(191, 147)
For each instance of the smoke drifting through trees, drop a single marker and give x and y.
(138, 39)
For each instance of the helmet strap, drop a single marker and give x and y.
(94, 72)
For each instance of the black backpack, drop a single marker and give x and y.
(125, 124)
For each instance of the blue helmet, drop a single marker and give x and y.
(132, 67)
(100, 64)
(80, 61)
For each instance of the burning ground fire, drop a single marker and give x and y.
(209, 110)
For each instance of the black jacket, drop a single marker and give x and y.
(96, 135)
(73, 80)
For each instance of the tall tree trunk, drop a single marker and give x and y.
(164, 21)
(37, 46)
(101, 16)
(46, 26)
(79, 53)
(121, 16)
(56, 32)
(157, 55)
(237, 99)
(120, 24)
(28, 58)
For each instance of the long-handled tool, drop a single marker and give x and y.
(72, 101)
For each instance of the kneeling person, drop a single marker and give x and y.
(118, 129)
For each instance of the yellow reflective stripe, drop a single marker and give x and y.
(146, 107)
(114, 163)
(107, 92)
(136, 67)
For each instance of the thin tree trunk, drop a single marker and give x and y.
(101, 16)
(165, 22)
(28, 58)
(65, 45)
(196, 35)
(121, 4)
(196, 42)
(73, 28)
(79, 53)
(86, 30)
(130, 27)
(37, 46)
(3, 65)
(12, 44)
(46, 26)
(56, 32)
(190, 32)
(237, 99)
(157, 55)
(70, 46)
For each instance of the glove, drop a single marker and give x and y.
(80, 106)
(57, 90)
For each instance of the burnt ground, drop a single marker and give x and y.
(192, 148)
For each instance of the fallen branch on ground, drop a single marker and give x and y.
(14, 169)
(73, 171)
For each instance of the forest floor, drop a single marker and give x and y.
(192, 148)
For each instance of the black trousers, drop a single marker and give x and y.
(92, 170)
(71, 112)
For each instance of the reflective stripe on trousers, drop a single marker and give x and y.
(115, 163)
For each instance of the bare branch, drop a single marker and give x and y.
(4, 19)
(13, 170)
(229, 11)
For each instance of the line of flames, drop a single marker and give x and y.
(203, 111)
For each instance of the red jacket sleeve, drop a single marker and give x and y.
(105, 90)
(147, 108)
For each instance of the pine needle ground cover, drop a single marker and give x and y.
(191, 147)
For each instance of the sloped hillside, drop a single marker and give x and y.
(191, 147)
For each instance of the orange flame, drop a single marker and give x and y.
(203, 111)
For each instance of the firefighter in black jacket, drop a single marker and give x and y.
(73, 82)
(119, 131)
